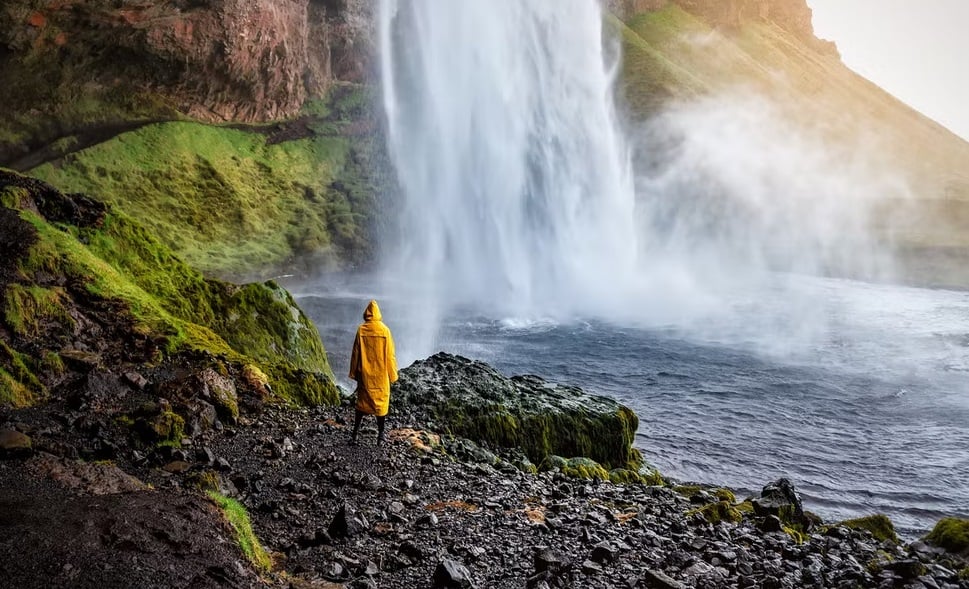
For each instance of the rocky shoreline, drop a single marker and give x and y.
(429, 509)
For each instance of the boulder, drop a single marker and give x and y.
(780, 499)
(473, 400)
(221, 391)
(347, 523)
(14, 444)
(451, 573)
(951, 534)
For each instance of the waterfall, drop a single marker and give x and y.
(518, 198)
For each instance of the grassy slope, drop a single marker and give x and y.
(230, 201)
(671, 55)
(675, 51)
(118, 262)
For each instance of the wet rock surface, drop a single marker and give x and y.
(471, 399)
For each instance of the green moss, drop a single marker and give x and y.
(206, 480)
(719, 511)
(584, 468)
(12, 392)
(168, 428)
(238, 518)
(796, 533)
(53, 363)
(224, 199)
(964, 574)
(25, 307)
(687, 491)
(650, 476)
(124, 420)
(950, 533)
(166, 301)
(725, 495)
(13, 197)
(879, 525)
(20, 386)
(745, 507)
(604, 438)
(622, 476)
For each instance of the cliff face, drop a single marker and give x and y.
(794, 16)
(215, 60)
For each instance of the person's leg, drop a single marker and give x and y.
(357, 418)
(380, 429)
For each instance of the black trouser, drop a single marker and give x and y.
(358, 417)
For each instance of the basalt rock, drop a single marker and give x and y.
(473, 400)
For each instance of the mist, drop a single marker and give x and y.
(527, 200)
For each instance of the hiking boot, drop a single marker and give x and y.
(381, 439)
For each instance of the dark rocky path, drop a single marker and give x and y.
(421, 511)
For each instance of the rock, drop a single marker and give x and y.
(602, 553)
(87, 477)
(177, 467)
(452, 574)
(950, 534)
(222, 392)
(771, 524)
(473, 400)
(136, 380)
(907, 569)
(347, 523)
(779, 498)
(14, 444)
(591, 568)
(880, 527)
(549, 565)
(659, 580)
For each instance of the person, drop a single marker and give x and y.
(373, 364)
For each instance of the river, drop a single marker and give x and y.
(866, 409)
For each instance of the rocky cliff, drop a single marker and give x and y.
(70, 65)
(215, 60)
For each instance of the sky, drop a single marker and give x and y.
(917, 50)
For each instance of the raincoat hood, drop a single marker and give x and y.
(372, 312)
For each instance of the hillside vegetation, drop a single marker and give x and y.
(673, 57)
(231, 200)
(85, 285)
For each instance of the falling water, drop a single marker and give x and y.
(518, 199)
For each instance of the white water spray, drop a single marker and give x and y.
(519, 201)
(518, 194)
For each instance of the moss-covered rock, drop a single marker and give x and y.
(579, 467)
(85, 282)
(236, 201)
(719, 511)
(222, 392)
(880, 526)
(159, 426)
(473, 400)
(952, 534)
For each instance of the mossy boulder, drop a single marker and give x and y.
(952, 534)
(88, 285)
(880, 526)
(14, 444)
(473, 400)
(580, 468)
(221, 391)
(720, 511)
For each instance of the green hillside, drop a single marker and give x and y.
(232, 200)
(672, 57)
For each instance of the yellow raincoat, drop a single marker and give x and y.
(373, 363)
